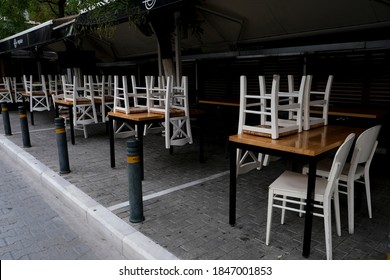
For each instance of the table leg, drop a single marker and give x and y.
(311, 181)
(232, 190)
(112, 140)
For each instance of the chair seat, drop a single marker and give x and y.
(295, 184)
(83, 100)
(133, 110)
(172, 111)
(281, 132)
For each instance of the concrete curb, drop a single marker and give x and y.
(131, 243)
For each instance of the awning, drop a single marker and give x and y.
(49, 31)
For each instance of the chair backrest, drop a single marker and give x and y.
(69, 88)
(338, 165)
(27, 83)
(365, 146)
(121, 101)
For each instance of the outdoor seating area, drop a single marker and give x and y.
(189, 214)
(238, 111)
(271, 123)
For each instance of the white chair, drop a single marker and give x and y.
(55, 89)
(6, 90)
(266, 109)
(173, 103)
(354, 171)
(17, 88)
(83, 109)
(102, 95)
(37, 93)
(290, 189)
(127, 102)
(318, 100)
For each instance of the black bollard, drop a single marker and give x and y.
(7, 124)
(24, 127)
(135, 182)
(62, 145)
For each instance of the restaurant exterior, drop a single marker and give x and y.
(349, 39)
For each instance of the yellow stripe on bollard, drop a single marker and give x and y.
(4, 109)
(60, 130)
(22, 116)
(133, 159)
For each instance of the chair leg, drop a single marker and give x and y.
(368, 192)
(283, 210)
(269, 216)
(328, 229)
(85, 131)
(351, 205)
(336, 203)
(301, 207)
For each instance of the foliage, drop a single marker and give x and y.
(16, 16)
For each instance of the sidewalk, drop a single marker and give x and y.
(35, 225)
(186, 202)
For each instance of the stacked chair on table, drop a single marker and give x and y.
(55, 89)
(261, 114)
(102, 92)
(6, 90)
(128, 102)
(83, 109)
(18, 89)
(355, 170)
(173, 103)
(36, 93)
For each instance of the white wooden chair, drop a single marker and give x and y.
(127, 102)
(290, 189)
(173, 103)
(55, 89)
(102, 95)
(83, 109)
(6, 90)
(265, 109)
(318, 100)
(354, 171)
(37, 93)
(17, 88)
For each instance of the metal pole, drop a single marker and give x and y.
(62, 145)
(24, 127)
(7, 124)
(135, 181)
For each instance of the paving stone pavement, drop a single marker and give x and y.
(186, 202)
(36, 225)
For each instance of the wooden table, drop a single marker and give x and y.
(140, 120)
(69, 105)
(308, 146)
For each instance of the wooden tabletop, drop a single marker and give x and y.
(222, 102)
(146, 116)
(309, 143)
(139, 117)
(70, 103)
(367, 113)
